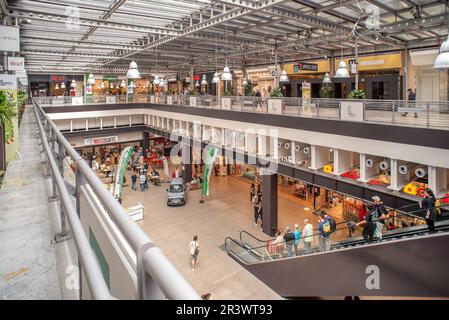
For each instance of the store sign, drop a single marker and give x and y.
(303, 66)
(196, 77)
(100, 141)
(110, 78)
(16, 63)
(57, 78)
(9, 39)
(353, 66)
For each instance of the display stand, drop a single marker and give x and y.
(136, 212)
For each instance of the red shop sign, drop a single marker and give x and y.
(196, 77)
(57, 78)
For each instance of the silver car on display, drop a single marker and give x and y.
(176, 193)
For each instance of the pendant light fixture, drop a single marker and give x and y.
(283, 77)
(216, 78)
(133, 72)
(102, 85)
(73, 83)
(442, 61)
(342, 71)
(56, 87)
(244, 81)
(197, 84)
(123, 84)
(91, 79)
(111, 86)
(327, 79)
(156, 80)
(226, 76)
(62, 85)
(204, 81)
(162, 82)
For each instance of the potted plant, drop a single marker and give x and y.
(357, 94)
(21, 102)
(274, 102)
(192, 98)
(326, 91)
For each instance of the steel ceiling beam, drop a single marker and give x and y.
(89, 22)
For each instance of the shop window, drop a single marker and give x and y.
(380, 90)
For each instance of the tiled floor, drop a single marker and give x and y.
(225, 213)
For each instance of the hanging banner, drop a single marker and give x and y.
(208, 165)
(166, 172)
(121, 169)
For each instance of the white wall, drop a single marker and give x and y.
(428, 84)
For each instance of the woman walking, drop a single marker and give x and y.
(194, 251)
(428, 203)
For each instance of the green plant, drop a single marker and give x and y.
(276, 93)
(357, 94)
(248, 89)
(228, 93)
(326, 91)
(21, 102)
(8, 109)
(191, 93)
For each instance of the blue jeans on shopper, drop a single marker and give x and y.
(142, 187)
(133, 186)
(289, 249)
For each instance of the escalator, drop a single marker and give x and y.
(407, 262)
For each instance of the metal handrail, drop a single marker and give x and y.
(163, 273)
(92, 269)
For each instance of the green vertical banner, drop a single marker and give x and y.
(121, 169)
(208, 166)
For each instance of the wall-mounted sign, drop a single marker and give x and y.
(196, 77)
(303, 66)
(9, 39)
(57, 78)
(353, 66)
(16, 63)
(110, 78)
(100, 141)
(8, 82)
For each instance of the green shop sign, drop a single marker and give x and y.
(110, 78)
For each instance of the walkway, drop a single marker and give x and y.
(27, 255)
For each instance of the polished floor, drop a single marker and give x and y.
(226, 212)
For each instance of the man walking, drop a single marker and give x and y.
(381, 215)
(411, 104)
(142, 181)
(307, 235)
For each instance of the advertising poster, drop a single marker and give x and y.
(208, 165)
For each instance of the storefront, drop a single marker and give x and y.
(380, 77)
(423, 78)
(262, 79)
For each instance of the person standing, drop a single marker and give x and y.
(370, 224)
(289, 238)
(428, 203)
(279, 243)
(297, 234)
(381, 215)
(142, 180)
(133, 181)
(256, 203)
(307, 235)
(194, 246)
(326, 227)
(252, 192)
(412, 99)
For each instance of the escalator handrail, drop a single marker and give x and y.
(251, 251)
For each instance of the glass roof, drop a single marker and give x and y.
(112, 32)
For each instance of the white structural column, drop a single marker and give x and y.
(394, 175)
(261, 143)
(130, 121)
(101, 123)
(223, 136)
(367, 172)
(293, 152)
(438, 180)
(342, 161)
(115, 122)
(319, 157)
(71, 125)
(187, 129)
(87, 124)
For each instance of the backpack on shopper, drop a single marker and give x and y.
(328, 226)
